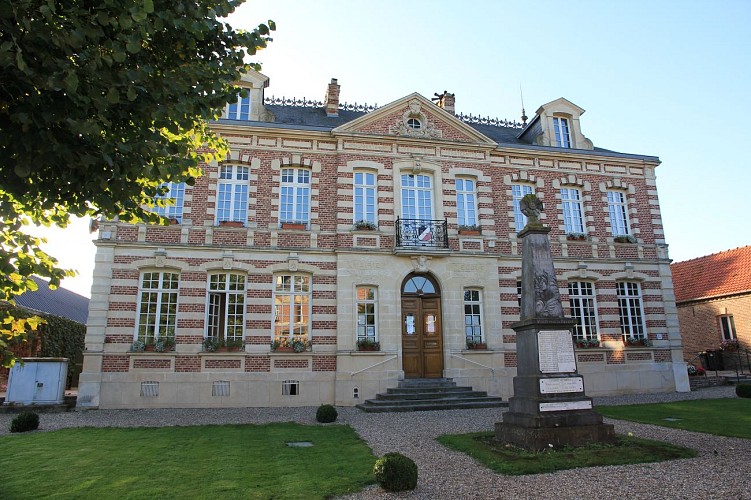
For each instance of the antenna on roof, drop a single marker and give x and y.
(524, 114)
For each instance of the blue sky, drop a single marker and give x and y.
(668, 78)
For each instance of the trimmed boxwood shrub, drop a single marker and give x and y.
(24, 422)
(326, 414)
(396, 472)
(743, 390)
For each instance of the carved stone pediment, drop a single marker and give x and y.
(405, 126)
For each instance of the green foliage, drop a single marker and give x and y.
(101, 103)
(186, 462)
(743, 390)
(506, 459)
(396, 472)
(326, 414)
(25, 422)
(210, 344)
(722, 417)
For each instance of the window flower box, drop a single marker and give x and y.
(587, 344)
(365, 225)
(636, 342)
(470, 230)
(576, 237)
(286, 344)
(368, 345)
(473, 345)
(729, 345)
(294, 225)
(231, 223)
(624, 238)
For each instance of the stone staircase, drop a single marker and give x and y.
(430, 394)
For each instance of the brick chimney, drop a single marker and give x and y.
(447, 102)
(331, 100)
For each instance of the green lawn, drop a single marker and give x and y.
(231, 461)
(511, 461)
(723, 417)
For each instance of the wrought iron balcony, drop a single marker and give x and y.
(422, 233)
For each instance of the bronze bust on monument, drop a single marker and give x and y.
(549, 406)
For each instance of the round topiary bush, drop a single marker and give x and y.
(24, 422)
(326, 414)
(743, 390)
(395, 472)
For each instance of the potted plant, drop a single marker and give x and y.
(367, 344)
(210, 344)
(365, 225)
(696, 371)
(729, 345)
(636, 342)
(281, 344)
(587, 343)
(576, 237)
(470, 229)
(231, 223)
(624, 238)
(294, 225)
(164, 344)
(299, 345)
(138, 346)
(476, 345)
(235, 344)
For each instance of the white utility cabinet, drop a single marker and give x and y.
(37, 381)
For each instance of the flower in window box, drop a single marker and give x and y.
(164, 344)
(231, 223)
(625, 238)
(365, 225)
(587, 343)
(138, 346)
(476, 345)
(234, 344)
(210, 344)
(729, 345)
(286, 344)
(471, 229)
(366, 344)
(294, 225)
(576, 237)
(637, 342)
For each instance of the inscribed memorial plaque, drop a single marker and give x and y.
(556, 351)
(566, 405)
(558, 385)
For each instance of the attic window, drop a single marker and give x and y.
(414, 124)
(562, 134)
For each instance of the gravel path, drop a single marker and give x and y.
(722, 469)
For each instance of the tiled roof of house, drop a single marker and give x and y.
(719, 274)
(58, 302)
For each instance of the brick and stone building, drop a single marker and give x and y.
(713, 297)
(332, 228)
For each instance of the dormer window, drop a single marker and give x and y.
(414, 124)
(239, 110)
(562, 134)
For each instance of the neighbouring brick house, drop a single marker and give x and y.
(713, 296)
(332, 225)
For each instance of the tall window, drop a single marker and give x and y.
(618, 213)
(295, 196)
(157, 308)
(473, 316)
(239, 110)
(232, 194)
(562, 135)
(226, 306)
(630, 310)
(581, 300)
(366, 302)
(365, 196)
(466, 202)
(571, 199)
(175, 193)
(727, 327)
(519, 191)
(417, 197)
(292, 306)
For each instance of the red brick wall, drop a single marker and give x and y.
(152, 363)
(188, 364)
(115, 363)
(222, 363)
(324, 364)
(700, 328)
(290, 363)
(257, 363)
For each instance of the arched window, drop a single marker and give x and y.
(420, 284)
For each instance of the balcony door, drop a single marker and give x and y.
(417, 208)
(422, 334)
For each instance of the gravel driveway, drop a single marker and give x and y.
(722, 470)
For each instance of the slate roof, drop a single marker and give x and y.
(59, 302)
(719, 274)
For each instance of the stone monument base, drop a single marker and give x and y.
(540, 438)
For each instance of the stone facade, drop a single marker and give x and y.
(336, 259)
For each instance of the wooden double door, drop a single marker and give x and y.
(422, 337)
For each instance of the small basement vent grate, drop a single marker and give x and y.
(220, 388)
(149, 389)
(290, 388)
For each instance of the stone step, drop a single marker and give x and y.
(374, 406)
(427, 382)
(457, 392)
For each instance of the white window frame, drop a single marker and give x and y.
(562, 129)
(294, 195)
(225, 306)
(366, 313)
(417, 196)
(173, 210)
(466, 201)
(519, 191)
(573, 210)
(582, 300)
(292, 307)
(157, 306)
(239, 110)
(472, 308)
(631, 310)
(618, 210)
(365, 196)
(232, 194)
(727, 327)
